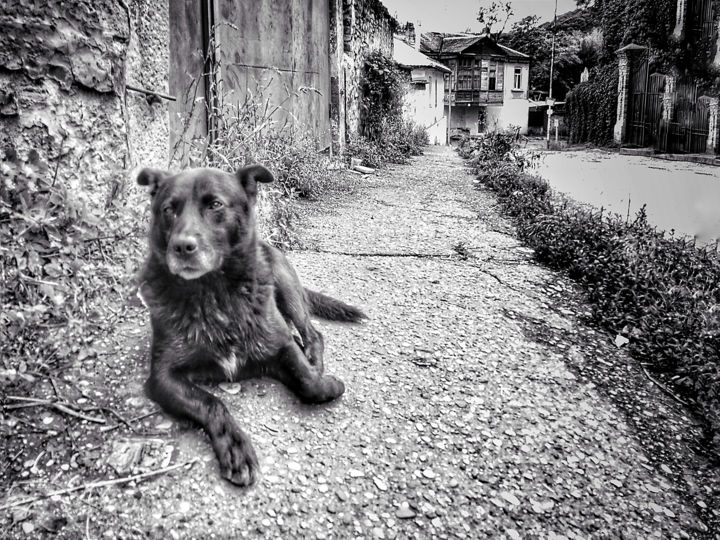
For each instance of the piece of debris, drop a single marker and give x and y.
(363, 170)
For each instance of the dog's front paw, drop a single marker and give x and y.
(330, 388)
(238, 462)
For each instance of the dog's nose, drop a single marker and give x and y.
(185, 245)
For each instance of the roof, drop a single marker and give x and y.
(436, 43)
(407, 56)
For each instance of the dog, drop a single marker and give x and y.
(223, 305)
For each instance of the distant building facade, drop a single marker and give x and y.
(488, 85)
(424, 98)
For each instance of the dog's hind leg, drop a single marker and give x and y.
(293, 304)
(292, 368)
(179, 397)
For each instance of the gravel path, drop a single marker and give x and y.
(478, 404)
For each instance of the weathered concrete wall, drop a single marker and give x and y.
(63, 68)
(423, 103)
(365, 26)
(147, 68)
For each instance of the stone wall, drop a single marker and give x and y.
(64, 110)
(356, 28)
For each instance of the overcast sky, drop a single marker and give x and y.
(457, 15)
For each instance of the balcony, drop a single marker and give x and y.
(475, 97)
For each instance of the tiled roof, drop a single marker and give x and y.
(438, 43)
(406, 55)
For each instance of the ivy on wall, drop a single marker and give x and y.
(592, 107)
(382, 92)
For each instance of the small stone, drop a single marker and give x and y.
(666, 469)
(429, 473)
(354, 473)
(405, 512)
(184, 507)
(453, 483)
(512, 533)
(28, 527)
(164, 425)
(656, 508)
(380, 484)
(293, 466)
(509, 497)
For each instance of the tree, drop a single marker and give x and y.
(497, 12)
(576, 47)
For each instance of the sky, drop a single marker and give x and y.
(458, 15)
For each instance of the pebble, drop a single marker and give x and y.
(405, 512)
(380, 484)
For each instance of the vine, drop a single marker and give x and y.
(381, 88)
(592, 107)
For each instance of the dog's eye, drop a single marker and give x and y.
(214, 205)
(168, 210)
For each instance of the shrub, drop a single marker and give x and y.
(396, 140)
(661, 293)
(385, 136)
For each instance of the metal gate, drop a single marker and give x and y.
(688, 129)
(645, 106)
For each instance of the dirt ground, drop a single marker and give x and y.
(479, 404)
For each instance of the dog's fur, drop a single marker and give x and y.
(223, 305)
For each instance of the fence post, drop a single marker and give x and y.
(712, 139)
(623, 96)
(679, 31)
(668, 99)
(626, 60)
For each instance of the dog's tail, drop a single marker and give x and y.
(328, 308)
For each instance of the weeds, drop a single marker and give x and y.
(659, 292)
(65, 260)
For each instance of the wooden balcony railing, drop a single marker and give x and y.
(475, 97)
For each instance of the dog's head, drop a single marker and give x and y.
(201, 216)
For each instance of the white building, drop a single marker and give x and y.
(488, 86)
(424, 98)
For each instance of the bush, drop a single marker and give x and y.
(385, 136)
(661, 293)
(396, 140)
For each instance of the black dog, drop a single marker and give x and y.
(223, 305)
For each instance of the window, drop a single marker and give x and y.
(517, 79)
(484, 79)
(492, 81)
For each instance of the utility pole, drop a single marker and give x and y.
(449, 107)
(550, 101)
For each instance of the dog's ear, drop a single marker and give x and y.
(152, 178)
(252, 174)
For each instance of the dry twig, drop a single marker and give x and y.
(100, 484)
(663, 387)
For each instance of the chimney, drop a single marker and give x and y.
(410, 34)
(418, 35)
